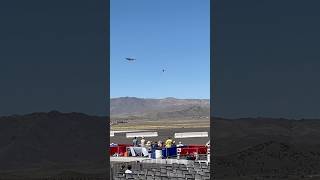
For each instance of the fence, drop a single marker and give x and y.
(191, 152)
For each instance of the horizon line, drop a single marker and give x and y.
(159, 97)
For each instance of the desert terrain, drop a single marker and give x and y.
(165, 116)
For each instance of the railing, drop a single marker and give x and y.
(192, 152)
(167, 161)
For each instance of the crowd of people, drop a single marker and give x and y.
(149, 145)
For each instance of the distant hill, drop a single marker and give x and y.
(159, 108)
(188, 112)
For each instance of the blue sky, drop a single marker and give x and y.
(166, 34)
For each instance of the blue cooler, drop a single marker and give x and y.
(169, 152)
(172, 151)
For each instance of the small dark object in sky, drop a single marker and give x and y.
(130, 59)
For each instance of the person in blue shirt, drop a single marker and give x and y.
(135, 141)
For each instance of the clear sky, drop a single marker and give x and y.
(166, 34)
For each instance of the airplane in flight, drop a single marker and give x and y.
(130, 59)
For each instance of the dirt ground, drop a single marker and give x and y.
(163, 124)
(165, 128)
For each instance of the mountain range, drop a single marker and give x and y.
(159, 108)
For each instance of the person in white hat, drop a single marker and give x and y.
(143, 141)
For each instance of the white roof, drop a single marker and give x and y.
(142, 134)
(190, 134)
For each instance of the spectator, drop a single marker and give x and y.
(148, 145)
(208, 144)
(174, 144)
(128, 171)
(154, 145)
(180, 144)
(135, 141)
(169, 142)
(142, 142)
